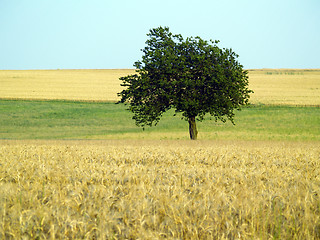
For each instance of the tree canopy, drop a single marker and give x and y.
(192, 75)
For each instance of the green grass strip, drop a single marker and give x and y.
(21, 119)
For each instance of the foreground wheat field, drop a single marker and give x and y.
(159, 190)
(271, 86)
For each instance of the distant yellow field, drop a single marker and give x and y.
(291, 87)
(93, 85)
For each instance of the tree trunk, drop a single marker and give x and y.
(193, 128)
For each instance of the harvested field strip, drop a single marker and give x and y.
(271, 86)
(89, 85)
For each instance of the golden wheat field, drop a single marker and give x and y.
(159, 190)
(92, 85)
(286, 86)
(139, 189)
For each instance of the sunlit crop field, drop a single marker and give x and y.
(289, 87)
(159, 189)
(92, 85)
(156, 189)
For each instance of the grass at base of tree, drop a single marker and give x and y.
(88, 120)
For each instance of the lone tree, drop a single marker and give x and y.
(191, 75)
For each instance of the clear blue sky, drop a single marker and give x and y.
(100, 34)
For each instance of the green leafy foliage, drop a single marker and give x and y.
(192, 76)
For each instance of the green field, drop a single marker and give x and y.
(88, 120)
